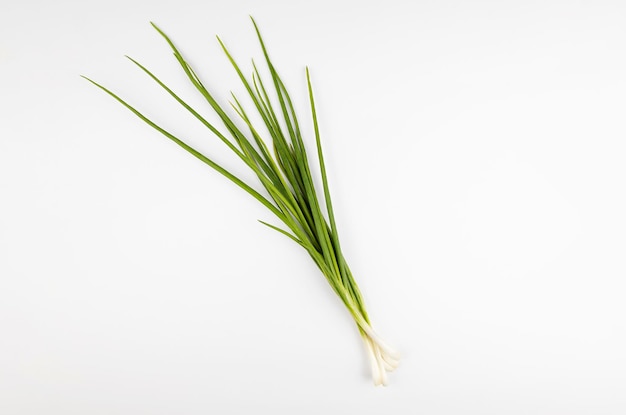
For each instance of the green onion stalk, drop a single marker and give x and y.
(284, 174)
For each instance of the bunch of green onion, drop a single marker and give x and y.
(285, 175)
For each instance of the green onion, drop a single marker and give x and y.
(284, 174)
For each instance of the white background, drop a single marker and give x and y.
(476, 157)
